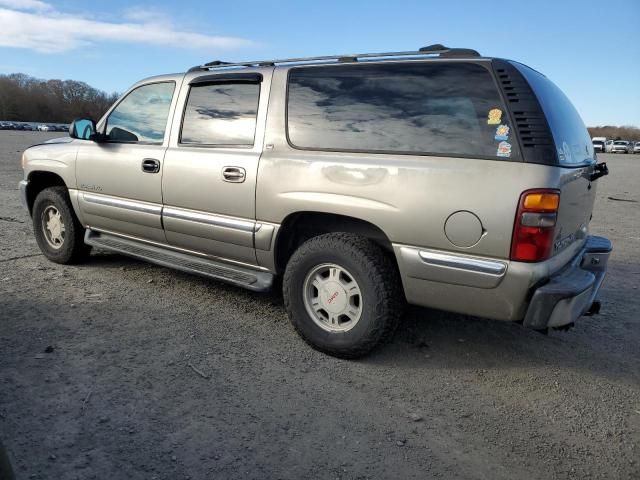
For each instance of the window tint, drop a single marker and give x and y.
(570, 135)
(442, 108)
(142, 115)
(221, 114)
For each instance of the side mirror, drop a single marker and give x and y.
(83, 129)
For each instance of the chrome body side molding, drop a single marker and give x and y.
(133, 205)
(490, 267)
(209, 219)
(437, 266)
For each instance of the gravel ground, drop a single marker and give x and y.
(448, 397)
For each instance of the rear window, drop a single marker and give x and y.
(451, 109)
(570, 135)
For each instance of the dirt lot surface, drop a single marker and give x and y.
(449, 397)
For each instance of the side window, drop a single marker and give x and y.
(451, 108)
(142, 115)
(221, 114)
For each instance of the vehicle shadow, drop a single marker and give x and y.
(428, 338)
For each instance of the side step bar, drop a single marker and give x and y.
(237, 275)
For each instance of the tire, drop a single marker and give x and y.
(61, 244)
(346, 260)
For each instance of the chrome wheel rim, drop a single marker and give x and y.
(53, 227)
(332, 297)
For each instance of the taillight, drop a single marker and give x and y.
(534, 225)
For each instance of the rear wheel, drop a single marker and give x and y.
(342, 293)
(58, 231)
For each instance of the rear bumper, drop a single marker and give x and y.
(568, 295)
(506, 290)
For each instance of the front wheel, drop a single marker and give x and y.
(58, 231)
(342, 294)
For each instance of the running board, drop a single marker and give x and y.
(242, 276)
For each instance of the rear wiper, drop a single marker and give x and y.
(600, 170)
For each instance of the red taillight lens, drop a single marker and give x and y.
(534, 225)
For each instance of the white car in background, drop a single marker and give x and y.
(636, 148)
(43, 128)
(608, 145)
(621, 146)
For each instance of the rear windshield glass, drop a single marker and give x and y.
(570, 135)
(439, 108)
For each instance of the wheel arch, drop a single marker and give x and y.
(38, 181)
(299, 227)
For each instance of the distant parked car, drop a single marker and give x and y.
(8, 126)
(621, 146)
(26, 126)
(608, 145)
(43, 128)
(64, 128)
(636, 148)
(4, 125)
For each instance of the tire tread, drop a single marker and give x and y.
(382, 271)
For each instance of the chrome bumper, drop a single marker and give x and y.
(570, 293)
(22, 186)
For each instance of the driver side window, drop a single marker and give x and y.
(141, 117)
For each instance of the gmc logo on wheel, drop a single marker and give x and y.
(332, 297)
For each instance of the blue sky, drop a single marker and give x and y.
(591, 49)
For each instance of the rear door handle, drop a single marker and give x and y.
(234, 174)
(150, 165)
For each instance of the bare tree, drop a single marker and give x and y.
(28, 99)
(616, 133)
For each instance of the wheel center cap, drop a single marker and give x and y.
(54, 227)
(334, 297)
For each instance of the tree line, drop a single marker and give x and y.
(28, 99)
(616, 133)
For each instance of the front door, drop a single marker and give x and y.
(210, 167)
(120, 179)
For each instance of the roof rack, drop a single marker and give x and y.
(436, 49)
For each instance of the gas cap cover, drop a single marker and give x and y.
(463, 229)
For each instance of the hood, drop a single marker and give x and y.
(60, 140)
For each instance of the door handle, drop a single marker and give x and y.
(150, 165)
(234, 174)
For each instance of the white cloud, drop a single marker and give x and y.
(40, 27)
(29, 5)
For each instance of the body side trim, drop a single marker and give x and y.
(121, 203)
(477, 265)
(210, 219)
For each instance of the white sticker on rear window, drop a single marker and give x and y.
(504, 149)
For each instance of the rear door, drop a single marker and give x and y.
(210, 168)
(575, 156)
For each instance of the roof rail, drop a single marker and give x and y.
(436, 49)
